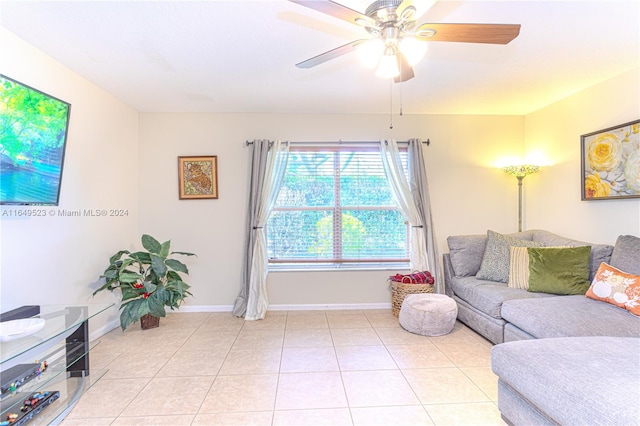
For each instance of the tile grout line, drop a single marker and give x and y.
(215, 377)
(464, 337)
(340, 371)
(405, 377)
(275, 396)
(149, 379)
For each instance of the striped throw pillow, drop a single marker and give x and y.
(518, 268)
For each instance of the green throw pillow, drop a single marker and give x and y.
(559, 270)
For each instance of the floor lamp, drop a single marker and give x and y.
(520, 172)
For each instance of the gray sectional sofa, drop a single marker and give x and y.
(569, 381)
(560, 359)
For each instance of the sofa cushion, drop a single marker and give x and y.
(465, 252)
(595, 380)
(495, 261)
(559, 270)
(616, 287)
(567, 316)
(626, 254)
(599, 252)
(487, 296)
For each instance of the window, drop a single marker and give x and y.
(335, 208)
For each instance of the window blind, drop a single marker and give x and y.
(335, 206)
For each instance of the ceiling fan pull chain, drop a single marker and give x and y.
(401, 100)
(391, 104)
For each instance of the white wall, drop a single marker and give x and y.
(468, 193)
(554, 194)
(54, 259)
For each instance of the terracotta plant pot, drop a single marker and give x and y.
(148, 321)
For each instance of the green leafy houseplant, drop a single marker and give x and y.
(149, 280)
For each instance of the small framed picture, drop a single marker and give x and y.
(611, 163)
(198, 177)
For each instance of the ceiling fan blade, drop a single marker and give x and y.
(331, 54)
(337, 10)
(420, 7)
(406, 72)
(468, 33)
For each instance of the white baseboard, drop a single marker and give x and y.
(204, 308)
(330, 307)
(97, 333)
(291, 307)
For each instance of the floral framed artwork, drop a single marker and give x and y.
(611, 163)
(198, 177)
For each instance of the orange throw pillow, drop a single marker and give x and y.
(613, 286)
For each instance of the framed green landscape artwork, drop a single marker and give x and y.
(611, 163)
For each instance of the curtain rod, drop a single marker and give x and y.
(247, 142)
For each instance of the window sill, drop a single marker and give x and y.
(338, 268)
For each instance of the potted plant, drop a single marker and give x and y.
(149, 281)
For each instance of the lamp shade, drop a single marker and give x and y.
(522, 170)
(388, 66)
(370, 52)
(412, 49)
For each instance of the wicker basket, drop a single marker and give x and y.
(399, 291)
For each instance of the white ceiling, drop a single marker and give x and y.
(239, 56)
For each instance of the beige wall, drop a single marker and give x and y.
(118, 158)
(553, 135)
(468, 193)
(54, 259)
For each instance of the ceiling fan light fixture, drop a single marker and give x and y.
(393, 23)
(412, 49)
(408, 14)
(370, 52)
(388, 66)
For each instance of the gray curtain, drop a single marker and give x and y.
(420, 192)
(259, 154)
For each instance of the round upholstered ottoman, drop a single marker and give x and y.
(428, 314)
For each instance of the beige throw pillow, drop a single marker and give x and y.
(518, 268)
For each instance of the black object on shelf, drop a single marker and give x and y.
(32, 404)
(26, 311)
(17, 376)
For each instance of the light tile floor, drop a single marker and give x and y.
(292, 368)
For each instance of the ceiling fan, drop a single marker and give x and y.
(397, 42)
